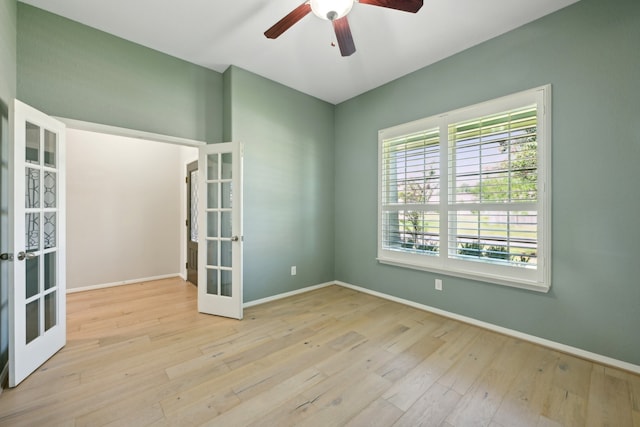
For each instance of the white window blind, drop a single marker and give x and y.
(493, 188)
(467, 192)
(411, 192)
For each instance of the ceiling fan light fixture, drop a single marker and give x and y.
(331, 9)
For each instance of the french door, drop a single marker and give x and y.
(37, 291)
(220, 230)
(37, 300)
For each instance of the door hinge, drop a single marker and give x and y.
(186, 223)
(186, 265)
(186, 179)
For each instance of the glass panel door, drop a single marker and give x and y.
(193, 211)
(220, 231)
(38, 297)
(41, 209)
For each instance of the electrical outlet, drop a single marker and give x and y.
(293, 270)
(438, 284)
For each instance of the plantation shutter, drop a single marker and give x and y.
(410, 193)
(467, 193)
(493, 194)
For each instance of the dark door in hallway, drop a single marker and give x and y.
(192, 222)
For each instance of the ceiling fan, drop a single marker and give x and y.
(336, 11)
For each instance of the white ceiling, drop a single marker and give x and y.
(389, 43)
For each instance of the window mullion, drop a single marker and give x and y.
(446, 166)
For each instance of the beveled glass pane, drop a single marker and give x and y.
(32, 231)
(227, 195)
(225, 283)
(32, 276)
(50, 270)
(212, 167)
(212, 224)
(49, 230)
(32, 188)
(50, 193)
(225, 224)
(227, 166)
(193, 221)
(212, 281)
(212, 252)
(225, 253)
(32, 320)
(32, 144)
(50, 318)
(212, 195)
(50, 150)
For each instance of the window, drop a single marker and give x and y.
(467, 193)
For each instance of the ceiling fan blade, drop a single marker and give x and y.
(287, 22)
(343, 34)
(404, 5)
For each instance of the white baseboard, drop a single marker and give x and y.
(3, 376)
(124, 282)
(286, 294)
(594, 357)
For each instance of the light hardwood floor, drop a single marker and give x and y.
(141, 355)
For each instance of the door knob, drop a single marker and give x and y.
(235, 238)
(28, 255)
(6, 257)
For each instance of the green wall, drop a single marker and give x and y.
(311, 168)
(589, 52)
(288, 183)
(7, 50)
(8, 22)
(70, 70)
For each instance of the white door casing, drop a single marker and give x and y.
(37, 291)
(220, 230)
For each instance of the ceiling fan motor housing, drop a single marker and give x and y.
(331, 9)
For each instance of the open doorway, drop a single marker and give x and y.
(126, 209)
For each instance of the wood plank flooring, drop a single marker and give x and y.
(141, 355)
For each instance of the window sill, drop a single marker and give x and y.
(493, 279)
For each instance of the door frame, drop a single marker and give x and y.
(74, 124)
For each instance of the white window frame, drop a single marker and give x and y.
(538, 278)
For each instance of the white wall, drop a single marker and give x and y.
(125, 208)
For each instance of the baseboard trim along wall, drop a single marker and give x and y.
(122, 283)
(594, 357)
(287, 294)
